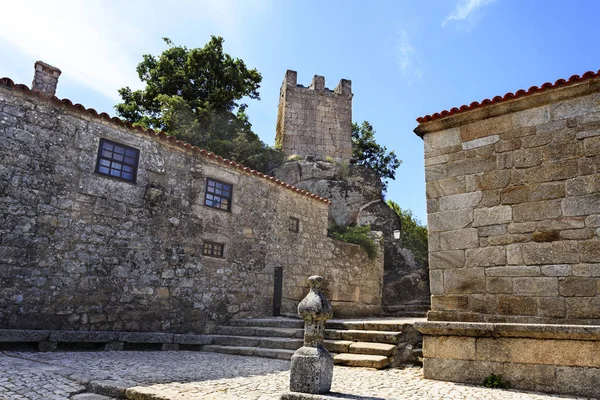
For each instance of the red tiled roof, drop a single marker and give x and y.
(510, 96)
(7, 82)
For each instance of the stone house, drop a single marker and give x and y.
(106, 226)
(513, 202)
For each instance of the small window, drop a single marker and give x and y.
(213, 249)
(117, 160)
(218, 195)
(294, 224)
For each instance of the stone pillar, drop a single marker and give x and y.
(45, 79)
(312, 365)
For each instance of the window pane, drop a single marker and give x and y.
(130, 160)
(114, 172)
(118, 157)
(127, 175)
(119, 149)
(102, 169)
(104, 162)
(130, 152)
(108, 146)
(107, 154)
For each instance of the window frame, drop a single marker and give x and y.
(134, 167)
(296, 222)
(207, 193)
(215, 245)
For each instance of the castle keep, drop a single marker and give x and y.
(315, 121)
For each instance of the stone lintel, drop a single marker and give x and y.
(547, 96)
(533, 331)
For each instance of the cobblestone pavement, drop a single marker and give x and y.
(187, 375)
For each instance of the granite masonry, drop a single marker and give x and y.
(315, 121)
(184, 243)
(513, 197)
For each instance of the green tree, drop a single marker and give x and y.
(413, 233)
(369, 153)
(194, 94)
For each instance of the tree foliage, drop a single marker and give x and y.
(412, 233)
(369, 153)
(195, 94)
(357, 235)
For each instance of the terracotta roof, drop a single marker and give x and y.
(510, 96)
(7, 82)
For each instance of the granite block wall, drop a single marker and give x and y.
(82, 251)
(315, 121)
(513, 198)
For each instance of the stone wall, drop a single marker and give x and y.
(315, 121)
(514, 211)
(355, 193)
(82, 251)
(513, 199)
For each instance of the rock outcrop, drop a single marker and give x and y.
(356, 196)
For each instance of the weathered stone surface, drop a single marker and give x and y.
(536, 211)
(450, 220)
(581, 205)
(484, 141)
(495, 285)
(446, 259)
(538, 286)
(492, 216)
(485, 256)
(459, 239)
(513, 270)
(577, 287)
(449, 302)
(517, 305)
(465, 280)
(464, 200)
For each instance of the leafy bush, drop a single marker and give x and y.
(412, 233)
(496, 381)
(357, 235)
(294, 157)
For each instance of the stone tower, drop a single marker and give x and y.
(315, 121)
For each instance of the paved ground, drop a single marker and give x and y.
(187, 375)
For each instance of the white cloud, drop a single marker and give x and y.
(464, 9)
(98, 43)
(407, 58)
(84, 39)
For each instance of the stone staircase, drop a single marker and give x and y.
(376, 343)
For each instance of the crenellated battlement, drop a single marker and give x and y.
(315, 121)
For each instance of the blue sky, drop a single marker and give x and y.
(405, 58)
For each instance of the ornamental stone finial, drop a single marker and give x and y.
(312, 365)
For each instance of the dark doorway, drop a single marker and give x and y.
(278, 291)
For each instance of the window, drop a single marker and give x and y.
(213, 249)
(294, 224)
(218, 195)
(117, 160)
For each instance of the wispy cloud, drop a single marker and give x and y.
(464, 9)
(98, 43)
(407, 58)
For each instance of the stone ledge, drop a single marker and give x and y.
(328, 396)
(34, 336)
(534, 331)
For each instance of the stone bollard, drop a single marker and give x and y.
(312, 365)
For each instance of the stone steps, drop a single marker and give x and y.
(361, 360)
(373, 343)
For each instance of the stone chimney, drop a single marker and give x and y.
(45, 78)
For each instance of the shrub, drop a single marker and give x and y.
(496, 381)
(294, 157)
(357, 235)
